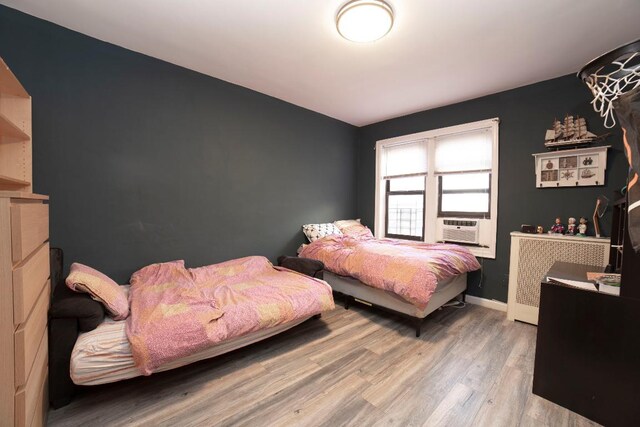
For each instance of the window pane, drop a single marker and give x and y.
(464, 151)
(414, 183)
(465, 202)
(406, 158)
(405, 215)
(465, 181)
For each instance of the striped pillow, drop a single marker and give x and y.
(101, 288)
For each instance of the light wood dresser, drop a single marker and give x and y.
(24, 266)
(24, 302)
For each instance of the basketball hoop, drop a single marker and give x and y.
(614, 80)
(610, 76)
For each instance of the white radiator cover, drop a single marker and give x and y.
(532, 255)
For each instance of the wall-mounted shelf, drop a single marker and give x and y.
(15, 133)
(571, 168)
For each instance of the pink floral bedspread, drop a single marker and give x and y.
(408, 269)
(177, 311)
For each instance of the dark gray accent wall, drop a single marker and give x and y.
(525, 113)
(146, 161)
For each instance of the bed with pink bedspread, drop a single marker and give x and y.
(177, 316)
(178, 311)
(406, 269)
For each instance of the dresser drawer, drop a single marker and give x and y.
(29, 277)
(28, 337)
(29, 228)
(29, 401)
(41, 403)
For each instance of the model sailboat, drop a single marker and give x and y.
(569, 133)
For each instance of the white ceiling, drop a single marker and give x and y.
(439, 51)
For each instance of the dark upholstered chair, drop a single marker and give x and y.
(307, 266)
(70, 313)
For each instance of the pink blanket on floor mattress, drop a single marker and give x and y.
(408, 269)
(177, 311)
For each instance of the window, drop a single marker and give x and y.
(463, 166)
(426, 177)
(405, 208)
(405, 168)
(466, 194)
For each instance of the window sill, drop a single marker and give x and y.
(482, 252)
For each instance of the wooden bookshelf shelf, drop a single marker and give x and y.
(14, 182)
(9, 132)
(9, 84)
(15, 133)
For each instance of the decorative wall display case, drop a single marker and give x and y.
(571, 168)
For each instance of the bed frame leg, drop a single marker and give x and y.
(464, 296)
(418, 325)
(347, 302)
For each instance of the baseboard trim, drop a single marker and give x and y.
(488, 303)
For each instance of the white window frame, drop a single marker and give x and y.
(433, 224)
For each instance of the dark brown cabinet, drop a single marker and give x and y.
(588, 352)
(622, 258)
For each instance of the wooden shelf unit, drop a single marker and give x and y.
(15, 133)
(24, 266)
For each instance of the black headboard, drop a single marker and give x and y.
(56, 262)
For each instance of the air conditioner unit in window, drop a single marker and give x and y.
(460, 231)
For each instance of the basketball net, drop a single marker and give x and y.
(610, 81)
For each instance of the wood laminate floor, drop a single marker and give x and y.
(357, 367)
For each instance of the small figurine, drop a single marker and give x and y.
(582, 228)
(540, 229)
(557, 228)
(571, 227)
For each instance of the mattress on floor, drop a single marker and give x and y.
(104, 355)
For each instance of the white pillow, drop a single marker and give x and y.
(318, 231)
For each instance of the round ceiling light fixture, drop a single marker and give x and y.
(364, 20)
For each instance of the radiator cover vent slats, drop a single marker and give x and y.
(537, 257)
(532, 256)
